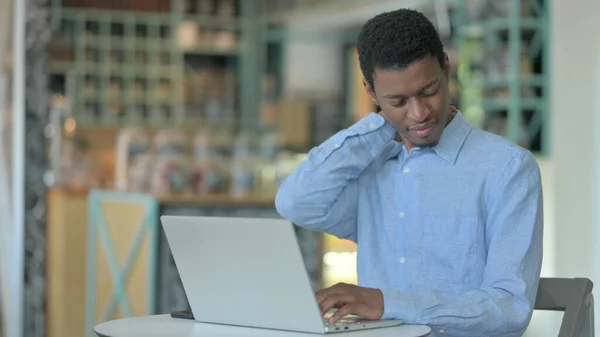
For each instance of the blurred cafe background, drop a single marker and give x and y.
(114, 112)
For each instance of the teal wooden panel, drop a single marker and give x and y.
(97, 226)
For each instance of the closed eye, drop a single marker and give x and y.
(430, 92)
(399, 104)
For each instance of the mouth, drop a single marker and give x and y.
(423, 131)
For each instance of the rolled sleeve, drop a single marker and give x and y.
(372, 130)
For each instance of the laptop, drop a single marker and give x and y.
(249, 272)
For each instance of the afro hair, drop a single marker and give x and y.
(393, 40)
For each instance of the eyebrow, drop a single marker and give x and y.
(398, 96)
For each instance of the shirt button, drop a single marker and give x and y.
(372, 126)
(336, 146)
(402, 260)
(402, 215)
(441, 331)
(406, 170)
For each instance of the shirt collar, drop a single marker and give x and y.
(453, 138)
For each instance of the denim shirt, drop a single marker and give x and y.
(451, 234)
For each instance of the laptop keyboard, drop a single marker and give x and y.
(343, 321)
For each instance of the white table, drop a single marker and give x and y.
(164, 325)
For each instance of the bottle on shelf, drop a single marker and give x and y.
(243, 167)
(266, 168)
(131, 143)
(172, 169)
(171, 175)
(140, 173)
(208, 171)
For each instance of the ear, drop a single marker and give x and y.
(446, 66)
(370, 91)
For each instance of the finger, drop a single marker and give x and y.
(348, 309)
(324, 293)
(335, 301)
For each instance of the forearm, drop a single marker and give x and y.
(311, 194)
(485, 312)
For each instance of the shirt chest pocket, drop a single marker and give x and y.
(450, 248)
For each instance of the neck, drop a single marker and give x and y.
(451, 117)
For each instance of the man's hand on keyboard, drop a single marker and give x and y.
(351, 299)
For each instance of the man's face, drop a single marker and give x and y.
(414, 100)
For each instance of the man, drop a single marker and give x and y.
(447, 217)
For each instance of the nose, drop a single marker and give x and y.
(418, 111)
